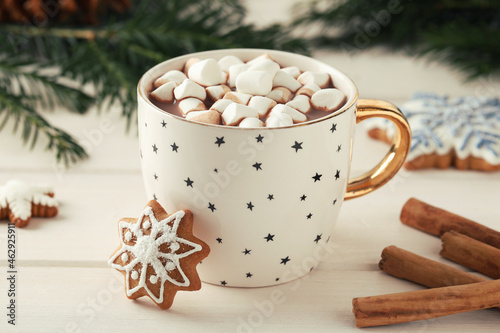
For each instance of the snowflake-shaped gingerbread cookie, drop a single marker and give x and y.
(19, 201)
(158, 254)
(462, 132)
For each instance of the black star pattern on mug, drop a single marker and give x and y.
(259, 138)
(257, 166)
(155, 176)
(318, 238)
(309, 216)
(174, 147)
(269, 237)
(220, 141)
(277, 279)
(334, 128)
(189, 182)
(216, 170)
(270, 197)
(211, 206)
(337, 174)
(297, 146)
(163, 123)
(339, 147)
(303, 197)
(249, 275)
(223, 282)
(334, 202)
(250, 205)
(317, 177)
(247, 251)
(285, 260)
(155, 149)
(219, 240)
(154, 197)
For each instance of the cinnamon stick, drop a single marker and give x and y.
(412, 267)
(471, 253)
(436, 221)
(425, 304)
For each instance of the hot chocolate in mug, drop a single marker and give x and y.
(264, 199)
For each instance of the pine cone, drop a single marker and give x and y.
(43, 12)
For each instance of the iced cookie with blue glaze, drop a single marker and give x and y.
(447, 132)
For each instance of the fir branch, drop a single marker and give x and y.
(113, 55)
(474, 49)
(67, 150)
(464, 33)
(28, 77)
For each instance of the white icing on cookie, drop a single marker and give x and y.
(467, 125)
(18, 196)
(146, 251)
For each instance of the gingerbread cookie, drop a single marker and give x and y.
(158, 254)
(461, 132)
(20, 201)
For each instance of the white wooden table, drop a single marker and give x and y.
(65, 285)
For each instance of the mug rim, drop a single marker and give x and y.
(141, 91)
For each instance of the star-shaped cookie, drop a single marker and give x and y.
(461, 132)
(19, 201)
(158, 254)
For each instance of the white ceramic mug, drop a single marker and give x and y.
(265, 200)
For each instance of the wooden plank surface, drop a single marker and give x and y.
(65, 299)
(64, 284)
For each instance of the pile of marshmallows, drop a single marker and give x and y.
(244, 93)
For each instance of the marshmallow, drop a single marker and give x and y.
(237, 97)
(297, 116)
(254, 82)
(189, 88)
(234, 71)
(205, 116)
(221, 105)
(261, 104)
(279, 120)
(284, 79)
(280, 95)
(225, 76)
(308, 90)
(262, 57)
(251, 123)
(300, 103)
(191, 104)
(294, 71)
(320, 78)
(173, 75)
(190, 62)
(265, 65)
(217, 92)
(227, 61)
(328, 99)
(165, 92)
(206, 73)
(235, 112)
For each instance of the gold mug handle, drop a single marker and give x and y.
(393, 161)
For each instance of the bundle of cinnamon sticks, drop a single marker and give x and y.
(453, 291)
